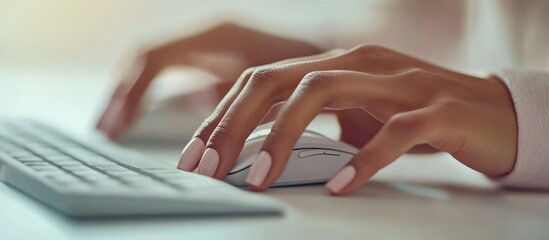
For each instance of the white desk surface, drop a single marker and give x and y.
(417, 197)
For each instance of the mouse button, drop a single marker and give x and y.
(259, 134)
(312, 169)
(332, 153)
(304, 139)
(309, 153)
(247, 155)
(242, 162)
(316, 152)
(313, 134)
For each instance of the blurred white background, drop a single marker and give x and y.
(56, 54)
(59, 59)
(81, 35)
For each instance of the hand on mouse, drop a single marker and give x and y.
(225, 51)
(192, 153)
(418, 103)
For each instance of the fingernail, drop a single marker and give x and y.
(191, 154)
(209, 162)
(259, 170)
(341, 179)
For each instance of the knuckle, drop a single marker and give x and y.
(244, 78)
(224, 132)
(263, 77)
(452, 103)
(248, 72)
(276, 131)
(283, 129)
(227, 26)
(417, 73)
(207, 126)
(452, 106)
(368, 50)
(264, 81)
(419, 76)
(153, 55)
(374, 57)
(155, 58)
(316, 81)
(402, 123)
(209, 121)
(426, 82)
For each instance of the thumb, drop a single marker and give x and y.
(357, 126)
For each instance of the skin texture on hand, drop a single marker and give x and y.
(245, 47)
(397, 101)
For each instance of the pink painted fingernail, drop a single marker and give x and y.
(259, 170)
(341, 179)
(209, 162)
(191, 154)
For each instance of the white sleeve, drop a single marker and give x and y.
(530, 93)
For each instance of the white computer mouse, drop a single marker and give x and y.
(314, 159)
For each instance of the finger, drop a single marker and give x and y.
(125, 100)
(194, 150)
(265, 88)
(251, 105)
(397, 136)
(358, 128)
(317, 91)
(112, 110)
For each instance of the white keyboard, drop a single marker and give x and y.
(96, 178)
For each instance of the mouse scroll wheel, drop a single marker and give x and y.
(317, 152)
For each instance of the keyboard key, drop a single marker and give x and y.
(34, 164)
(161, 171)
(59, 158)
(44, 150)
(46, 168)
(63, 178)
(114, 167)
(72, 165)
(125, 173)
(95, 177)
(83, 172)
(68, 163)
(79, 152)
(136, 178)
(76, 167)
(20, 154)
(107, 184)
(31, 161)
(173, 176)
(29, 158)
(144, 183)
(97, 160)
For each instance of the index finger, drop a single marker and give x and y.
(317, 90)
(125, 100)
